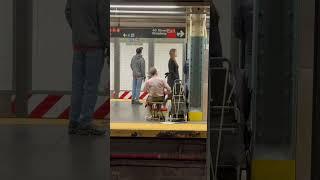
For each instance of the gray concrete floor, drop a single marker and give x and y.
(47, 152)
(127, 112)
(124, 111)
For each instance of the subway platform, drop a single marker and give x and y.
(128, 120)
(42, 149)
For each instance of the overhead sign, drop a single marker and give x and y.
(167, 32)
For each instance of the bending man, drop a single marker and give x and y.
(156, 87)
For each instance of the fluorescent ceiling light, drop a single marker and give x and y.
(147, 7)
(146, 12)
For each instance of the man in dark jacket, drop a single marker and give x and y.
(88, 20)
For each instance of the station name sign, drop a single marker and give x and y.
(163, 32)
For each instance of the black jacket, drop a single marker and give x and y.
(173, 72)
(88, 20)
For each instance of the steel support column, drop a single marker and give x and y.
(151, 55)
(197, 37)
(116, 67)
(22, 53)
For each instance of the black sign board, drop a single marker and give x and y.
(166, 32)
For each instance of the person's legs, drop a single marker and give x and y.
(93, 66)
(149, 107)
(138, 89)
(134, 87)
(77, 89)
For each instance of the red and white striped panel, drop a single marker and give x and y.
(58, 106)
(128, 95)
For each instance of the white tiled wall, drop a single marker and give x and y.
(128, 50)
(161, 57)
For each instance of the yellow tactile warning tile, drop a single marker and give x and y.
(159, 127)
(158, 130)
(273, 170)
(186, 130)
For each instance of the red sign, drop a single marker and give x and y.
(171, 33)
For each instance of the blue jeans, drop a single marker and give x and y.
(86, 71)
(136, 88)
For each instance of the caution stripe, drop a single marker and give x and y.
(65, 114)
(103, 110)
(124, 94)
(44, 106)
(58, 106)
(128, 95)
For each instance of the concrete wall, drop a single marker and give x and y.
(6, 35)
(52, 49)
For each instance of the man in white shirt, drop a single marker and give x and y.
(156, 87)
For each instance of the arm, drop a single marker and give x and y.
(176, 71)
(143, 68)
(171, 67)
(103, 19)
(166, 86)
(67, 13)
(146, 87)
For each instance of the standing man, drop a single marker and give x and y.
(88, 22)
(139, 75)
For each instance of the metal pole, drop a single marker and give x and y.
(151, 54)
(22, 53)
(116, 67)
(197, 37)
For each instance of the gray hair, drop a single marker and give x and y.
(153, 71)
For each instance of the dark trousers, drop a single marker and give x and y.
(86, 71)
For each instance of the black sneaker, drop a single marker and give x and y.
(138, 102)
(73, 128)
(91, 130)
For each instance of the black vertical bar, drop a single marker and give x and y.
(117, 67)
(315, 174)
(22, 53)
(108, 90)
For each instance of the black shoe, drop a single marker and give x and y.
(91, 130)
(73, 128)
(138, 102)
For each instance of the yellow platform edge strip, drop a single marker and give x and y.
(273, 170)
(187, 130)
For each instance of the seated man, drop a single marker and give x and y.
(156, 87)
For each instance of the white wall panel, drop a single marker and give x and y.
(161, 59)
(52, 48)
(127, 51)
(6, 39)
